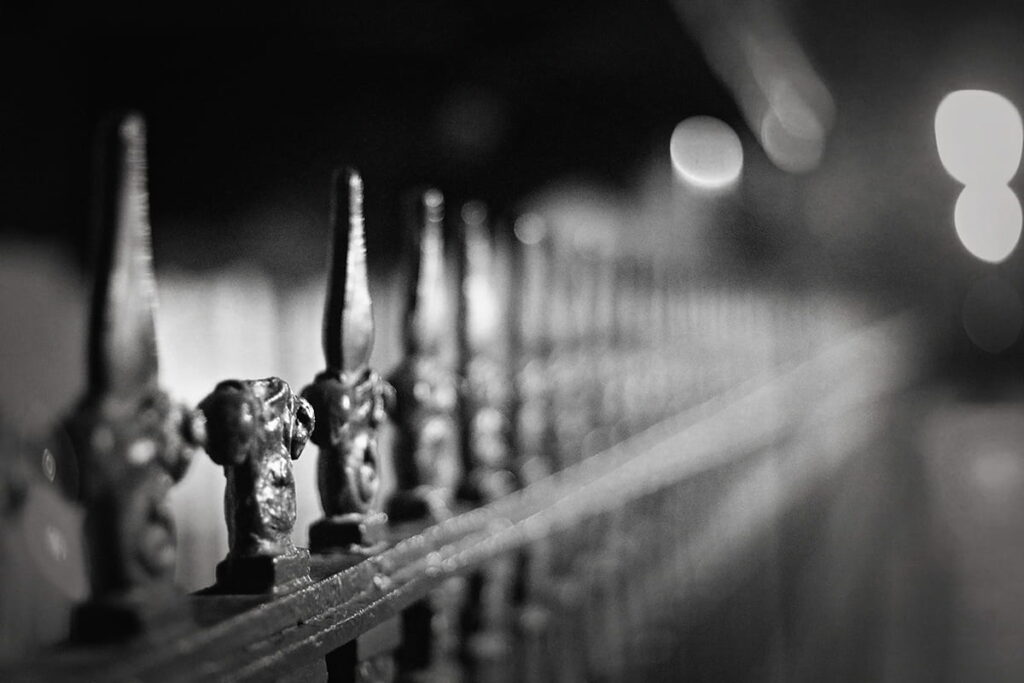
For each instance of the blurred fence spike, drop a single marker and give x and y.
(426, 315)
(122, 342)
(537, 440)
(132, 443)
(485, 400)
(348, 398)
(425, 446)
(484, 395)
(426, 438)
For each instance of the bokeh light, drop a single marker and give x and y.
(993, 315)
(706, 153)
(979, 137)
(988, 221)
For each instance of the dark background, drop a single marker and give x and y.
(249, 109)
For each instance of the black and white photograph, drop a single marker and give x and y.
(527, 341)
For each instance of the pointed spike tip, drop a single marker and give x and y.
(122, 347)
(354, 182)
(426, 317)
(132, 129)
(348, 312)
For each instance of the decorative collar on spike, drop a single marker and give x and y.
(426, 317)
(122, 343)
(348, 313)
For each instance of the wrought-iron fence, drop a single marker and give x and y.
(589, 451)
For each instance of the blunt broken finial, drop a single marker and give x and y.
(254, 429)
(132, 442)
(348, 397)
(425, 455)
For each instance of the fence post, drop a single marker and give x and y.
(537, 435)
(485, 399)
(426, 434)
(484, 395)
(536, 439)
(425, 448)
(349, 399)
(348, 395)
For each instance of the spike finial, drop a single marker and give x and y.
(535, 248)
(131, 441)
(122, 344)
(484, 394)
(348, 397)
(348, 314)
(482, 314)
(426, 312)
(426, 438)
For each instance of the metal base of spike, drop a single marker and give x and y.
(353, 534)
(263, 574)
(146, 614)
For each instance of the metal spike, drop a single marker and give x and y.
(348, 312)
(426, 314)
(122, 340)
(131, 440)
(482, 319)
(536, 267)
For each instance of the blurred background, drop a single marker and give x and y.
(863, 149)
(248, 110)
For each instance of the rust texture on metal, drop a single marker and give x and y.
(425, 452)
(130, 440)
(348, 397)
(254, 430)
